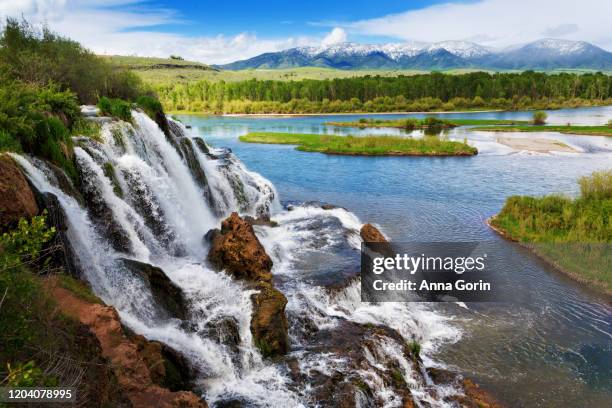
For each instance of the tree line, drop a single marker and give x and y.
(423, 92)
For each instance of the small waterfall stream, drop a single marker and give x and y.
(152, 199)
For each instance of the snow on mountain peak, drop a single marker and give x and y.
(563, 47)
(462, 49)
(396, 51)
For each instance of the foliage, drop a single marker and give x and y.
(109, 172)
(41, 57)
(598, 186)
(21, 302)
(610, 123)
(415, 349)
(574, 233)
(364, 145)
(414, 93)
(24, 243)
(150, 105)
(28, 375)
(8, 143)
(117, 108)
(36, 120)
(539, 117)
(414, 123)
(40, 346)
(88, 128)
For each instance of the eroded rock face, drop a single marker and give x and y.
(236, 249)
(473, 396)
(370, 233)
(269, 323)
(63, 255)
(127, 357)
(356, 345)
(168, 368)
(168, 295)
(17, 199)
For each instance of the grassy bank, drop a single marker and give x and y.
(569, 129)
(411, 123)
(365, 146)
(573, 234)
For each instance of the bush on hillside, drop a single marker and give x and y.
(37, 120)
(117, 108)
(42, 57)
(539, 118)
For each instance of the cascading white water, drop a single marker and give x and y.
(156, 211)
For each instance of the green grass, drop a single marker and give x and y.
(570, 129)
(134, 62)
(422, 123)
(573, 234)
(366, 145)
(78, 288)
(157, 71)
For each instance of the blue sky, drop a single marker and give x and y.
(224, 31)
(278, 17)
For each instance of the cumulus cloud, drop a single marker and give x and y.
(337, 35)
(128, 27)
(498, 22)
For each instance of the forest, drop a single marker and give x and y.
(414, 93)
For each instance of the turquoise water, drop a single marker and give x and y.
(552, 348)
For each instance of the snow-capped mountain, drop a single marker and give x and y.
(542, 54)
(551, 54)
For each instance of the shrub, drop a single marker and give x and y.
(597, 186)
(42, 57)
(117, 108)
(415, 349)
(410, 124)
(432, 121)
(8, 143)
(539, 118)
(150, 105)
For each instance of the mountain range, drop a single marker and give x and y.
(545, 54)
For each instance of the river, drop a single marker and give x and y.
(552, 346)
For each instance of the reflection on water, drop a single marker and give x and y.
(553, 347)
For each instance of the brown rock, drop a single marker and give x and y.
(370, 233)
(476, 397)
(237, 250)
(269, 323)
(16, 197)
(473, 396)
(133, 360)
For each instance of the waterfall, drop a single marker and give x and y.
(152, 199)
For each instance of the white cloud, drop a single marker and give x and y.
(498, 22)
(337, 35)
(118, 27)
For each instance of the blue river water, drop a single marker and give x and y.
(552, 348)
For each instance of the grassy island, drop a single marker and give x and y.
(428, 122)
(569, 129)
(366, 145)
(572, 234)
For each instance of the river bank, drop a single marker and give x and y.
(364, 145)
(603, 130)
(573, 234)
